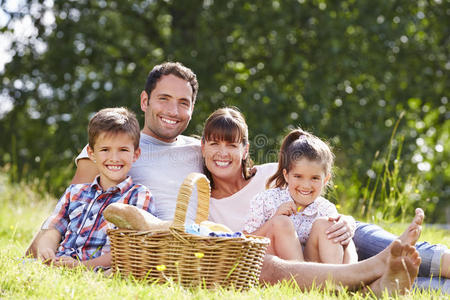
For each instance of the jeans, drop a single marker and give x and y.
(371, 239)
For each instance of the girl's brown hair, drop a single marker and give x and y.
(300, 144)
(227, 124)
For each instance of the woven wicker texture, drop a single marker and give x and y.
(188, 259)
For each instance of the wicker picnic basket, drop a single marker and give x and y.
(190, 260)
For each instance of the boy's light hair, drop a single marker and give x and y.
(113, 121)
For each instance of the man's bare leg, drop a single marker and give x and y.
(401, 266)
(401, 270)
(352, 276)
(309, 274)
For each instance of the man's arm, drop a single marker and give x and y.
(44, 244)
(343, 230)
(86, 171)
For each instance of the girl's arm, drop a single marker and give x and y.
(286, 209)
(257, 215)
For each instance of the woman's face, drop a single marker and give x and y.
(224, 159)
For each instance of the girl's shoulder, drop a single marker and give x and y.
(273, 193)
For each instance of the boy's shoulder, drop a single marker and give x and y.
(74, 188)
(137, 187)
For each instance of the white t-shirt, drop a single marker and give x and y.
(239, 203)
(162, 167)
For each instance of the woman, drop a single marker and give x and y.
(234, 182)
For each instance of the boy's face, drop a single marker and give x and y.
(113, 154)
(168, 109)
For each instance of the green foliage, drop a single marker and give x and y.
(345, 70)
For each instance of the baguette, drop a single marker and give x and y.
(127, 216)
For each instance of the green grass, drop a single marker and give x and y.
(21, 213)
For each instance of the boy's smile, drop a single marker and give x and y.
(113, 155)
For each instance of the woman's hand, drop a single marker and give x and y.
(286, 209)
(343, 229)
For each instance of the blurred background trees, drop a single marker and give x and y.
(345, 70)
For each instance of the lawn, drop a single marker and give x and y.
(21, 213)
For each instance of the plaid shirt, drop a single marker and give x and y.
(78, 216)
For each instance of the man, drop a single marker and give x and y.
(167, 157)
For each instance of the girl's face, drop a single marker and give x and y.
(305, 180)
(224, 159)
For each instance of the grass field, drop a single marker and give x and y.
(21, 213)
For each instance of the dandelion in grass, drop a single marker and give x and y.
(161, 268)
(199, 254)
(338, 207)
(336, 186)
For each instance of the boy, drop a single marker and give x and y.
(81, 229)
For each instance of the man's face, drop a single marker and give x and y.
(169, 109)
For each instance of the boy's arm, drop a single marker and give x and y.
(102, 261)
(44, 244)
(86, 171)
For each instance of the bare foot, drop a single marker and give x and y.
(401, 270)
(412, 233)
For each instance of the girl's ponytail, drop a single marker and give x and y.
(284, 160)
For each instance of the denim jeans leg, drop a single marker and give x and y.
(434, 283)
(371, 239)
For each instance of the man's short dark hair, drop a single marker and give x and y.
(171, 68)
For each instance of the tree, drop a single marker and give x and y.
(344, 70)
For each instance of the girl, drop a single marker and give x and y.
(295, 203)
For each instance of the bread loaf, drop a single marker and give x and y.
(127, 216)
(216, 227)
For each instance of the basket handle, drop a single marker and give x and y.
(184, 194)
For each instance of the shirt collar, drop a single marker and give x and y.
(122, 187)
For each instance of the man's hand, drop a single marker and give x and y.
(343, 229)
(287, 209)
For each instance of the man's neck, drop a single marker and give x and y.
(153, 135)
